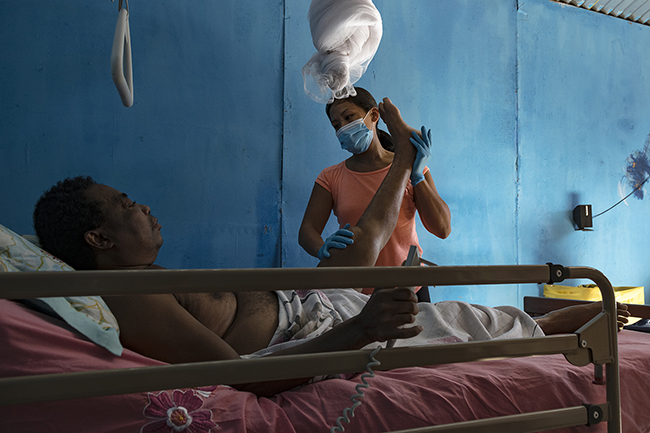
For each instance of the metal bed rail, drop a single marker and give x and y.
(587, 345)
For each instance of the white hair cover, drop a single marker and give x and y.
(346, 34)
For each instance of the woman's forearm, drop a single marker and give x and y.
(434, 212)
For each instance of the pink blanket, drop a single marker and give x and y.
(31, 343)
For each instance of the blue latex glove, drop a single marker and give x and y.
(423, 145)
(339, 239)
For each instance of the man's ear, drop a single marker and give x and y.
(96, 239)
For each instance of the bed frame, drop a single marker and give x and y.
(595, 342)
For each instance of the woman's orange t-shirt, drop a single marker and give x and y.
(352, 192)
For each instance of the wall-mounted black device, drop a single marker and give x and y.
(582, 216)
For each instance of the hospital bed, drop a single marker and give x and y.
(54, 379)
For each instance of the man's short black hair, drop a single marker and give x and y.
(62, 216)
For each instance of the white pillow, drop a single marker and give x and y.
(87, 314)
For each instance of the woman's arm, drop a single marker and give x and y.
(314, 221)
(434, 212)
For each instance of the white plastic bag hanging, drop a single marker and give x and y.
(346, 34)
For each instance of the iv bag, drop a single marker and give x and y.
(346, 34)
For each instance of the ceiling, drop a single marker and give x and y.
(631, 10)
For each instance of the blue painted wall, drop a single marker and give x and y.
(583, 109)
(201, 144)
(535, 109)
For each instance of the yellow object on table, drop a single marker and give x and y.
(591, 292)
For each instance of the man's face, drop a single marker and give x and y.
(129, 230)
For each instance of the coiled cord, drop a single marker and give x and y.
(348, 412)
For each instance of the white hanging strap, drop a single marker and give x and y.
(121, 67)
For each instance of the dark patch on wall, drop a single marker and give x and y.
(638, 168)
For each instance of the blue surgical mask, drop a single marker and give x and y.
(355, 137)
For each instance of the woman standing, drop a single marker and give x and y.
(347, 188)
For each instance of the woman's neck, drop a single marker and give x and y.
(371, 160)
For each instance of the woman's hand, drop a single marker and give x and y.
(423, 146)
(340, 239)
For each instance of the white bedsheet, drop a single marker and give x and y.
(308, 314)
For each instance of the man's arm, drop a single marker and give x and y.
(157, 326)
(380, 320)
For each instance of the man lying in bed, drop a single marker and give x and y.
(93, 226)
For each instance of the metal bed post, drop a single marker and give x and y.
(610, 359)
(581, 348)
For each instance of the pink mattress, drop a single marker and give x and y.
(32, 343)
